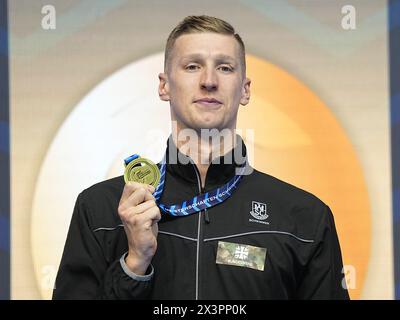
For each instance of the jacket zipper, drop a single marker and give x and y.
(206, 216)
(199, 236)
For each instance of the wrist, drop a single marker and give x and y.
(137, 265)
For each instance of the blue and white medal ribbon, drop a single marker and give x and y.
(198, 203)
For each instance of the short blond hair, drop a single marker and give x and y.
(199, 24)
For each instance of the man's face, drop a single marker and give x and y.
(205, 81)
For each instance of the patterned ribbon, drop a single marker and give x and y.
(198, 203)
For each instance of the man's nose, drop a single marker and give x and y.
(209, 80)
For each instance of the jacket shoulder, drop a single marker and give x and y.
(101, 201)
(109, 187)
(296, 207)
(286, 191)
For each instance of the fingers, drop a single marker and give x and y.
(151, 216)
(141, 208)
(151, 188)
(135, 193)
(143, 220)
(140, 196)
(131, 187)
(138, 207)
(145, 209)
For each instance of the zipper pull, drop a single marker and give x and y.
(206, 217)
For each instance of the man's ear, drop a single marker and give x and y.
(245, 96)
(163, 87)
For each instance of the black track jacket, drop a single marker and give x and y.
(297, 250)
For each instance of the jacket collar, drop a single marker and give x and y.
(219, 172)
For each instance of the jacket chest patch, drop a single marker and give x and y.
(241, 255)
(259, 213)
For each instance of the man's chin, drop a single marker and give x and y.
(208, 123)
(198, 124)
(207, 126)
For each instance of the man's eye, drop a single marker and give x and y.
(226, 69)
(192, 67)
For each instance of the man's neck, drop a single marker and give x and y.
(202, 149)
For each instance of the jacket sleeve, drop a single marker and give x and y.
(84, 272)
(323, 278)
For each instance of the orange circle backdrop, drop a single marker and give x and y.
(298, 140)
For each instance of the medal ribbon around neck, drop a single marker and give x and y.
(150, 173)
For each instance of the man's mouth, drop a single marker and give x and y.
(212, 102)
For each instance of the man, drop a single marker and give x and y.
(256, 238)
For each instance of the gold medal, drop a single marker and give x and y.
(142, 170)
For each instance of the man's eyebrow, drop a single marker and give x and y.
(224, 57)
(218, 57)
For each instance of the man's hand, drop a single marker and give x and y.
(139, 214)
